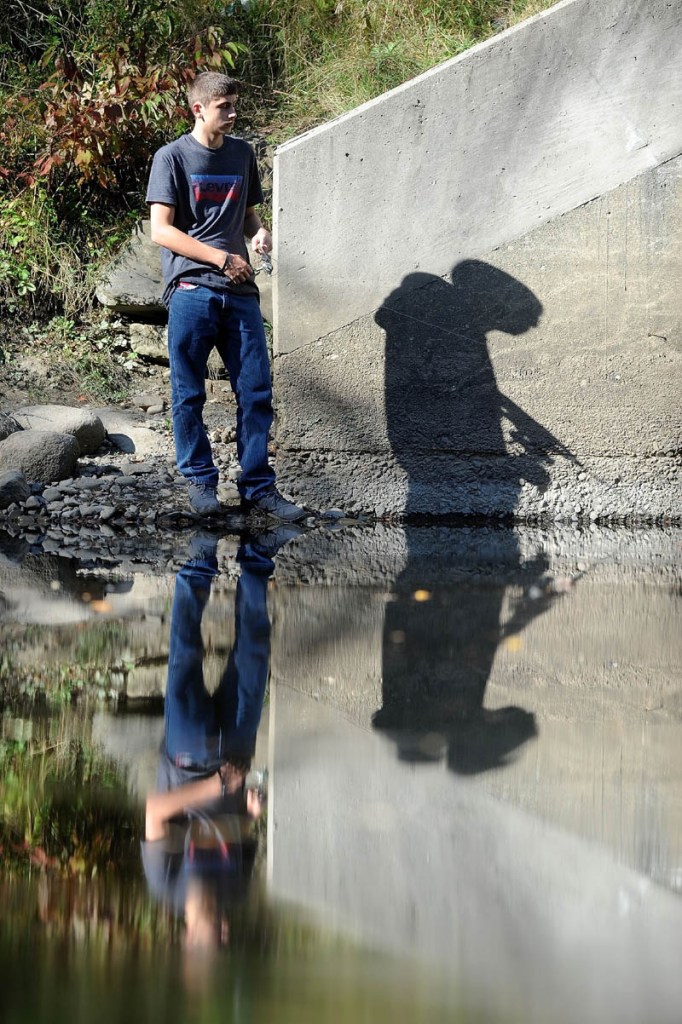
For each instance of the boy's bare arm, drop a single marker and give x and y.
(161, 807)
(261, 239)
(164, 232)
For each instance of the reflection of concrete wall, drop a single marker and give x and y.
(529, 922)
(599, 670)
(491, 156)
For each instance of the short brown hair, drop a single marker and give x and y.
(211, 85)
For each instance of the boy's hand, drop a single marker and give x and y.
(238, 269)
(262, 241)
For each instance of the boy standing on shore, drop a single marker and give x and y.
(203, 191)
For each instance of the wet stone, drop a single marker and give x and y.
(34, 503)
(88, 533)
(134, 469)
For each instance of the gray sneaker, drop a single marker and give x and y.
(273, 504)
(202, 499)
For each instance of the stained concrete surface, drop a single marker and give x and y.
(540, 380)
(482, 316)
(479, 151)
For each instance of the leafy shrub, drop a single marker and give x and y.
(75, 145)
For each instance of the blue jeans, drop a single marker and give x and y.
(201, 319)
(202, 729)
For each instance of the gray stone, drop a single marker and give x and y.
(83, 424)
(150, 341)
(33, 503)
(8, 425)
(13, 488)
(40, 454)
(133, 282)
(87, 483)
(135, 469)
(148, 401)
(52, 494)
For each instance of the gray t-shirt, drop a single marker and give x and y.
(210, 190)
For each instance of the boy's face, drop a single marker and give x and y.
(218, 115)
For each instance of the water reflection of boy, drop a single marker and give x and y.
(208, 744)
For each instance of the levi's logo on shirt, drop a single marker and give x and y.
(216, 188)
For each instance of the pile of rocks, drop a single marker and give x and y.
(64, 482)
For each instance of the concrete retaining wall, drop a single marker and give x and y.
(476, 307)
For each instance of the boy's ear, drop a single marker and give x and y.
(197, 109)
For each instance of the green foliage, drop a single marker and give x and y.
(62, 804)
(94, 90)
(325, 56)
(92, 356)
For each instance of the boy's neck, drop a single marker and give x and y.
(212, 140)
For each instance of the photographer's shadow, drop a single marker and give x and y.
(446, 425)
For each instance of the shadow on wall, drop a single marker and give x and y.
(445, 414)
(445, 417)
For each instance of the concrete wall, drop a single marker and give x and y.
(475, 302)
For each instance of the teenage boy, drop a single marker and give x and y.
(203, 191)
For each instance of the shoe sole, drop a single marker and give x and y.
(248, 510)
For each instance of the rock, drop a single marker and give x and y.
(129, 469)
(133, 282)
(87, 483)
(149, 401)
(150, 341)
(43, 455)
(13, 488)
(84, 425)
(8, 425)
(34, 503)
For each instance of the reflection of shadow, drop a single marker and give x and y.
(446, 425)
(199, 846)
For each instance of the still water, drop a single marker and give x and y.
(355, 774)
